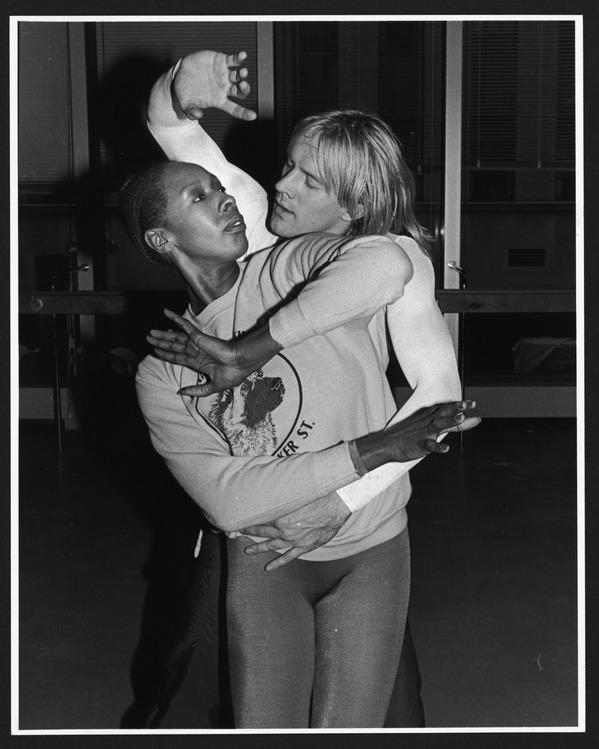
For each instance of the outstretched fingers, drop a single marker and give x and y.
(240, 90)
(168, 340)
(456, 417)
(270, 545)
(237, 75)
(450, 409)
(236, 110)
(285, 558)
(436, 447)
(184, 324)
(443, 423)
(193, 332)
(171, 356)
(469, 423)
(237, 59)
(199, 391)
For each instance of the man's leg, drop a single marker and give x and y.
(270, 628)
(359, 634)
(179, 589)
(192, 662)
(405, 708)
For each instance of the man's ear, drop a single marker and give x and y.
(158, 240)
(358, 213)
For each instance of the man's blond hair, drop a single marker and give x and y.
(361, 161)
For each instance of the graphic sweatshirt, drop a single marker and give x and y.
(279, 440)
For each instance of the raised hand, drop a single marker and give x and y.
(214, 358)
(207, 79)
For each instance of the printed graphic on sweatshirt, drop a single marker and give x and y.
(259, 416)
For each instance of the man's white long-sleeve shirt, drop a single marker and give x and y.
(417, 330)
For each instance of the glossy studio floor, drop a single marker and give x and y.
(493, 608)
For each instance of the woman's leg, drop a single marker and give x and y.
(271, 642)
(359, 634)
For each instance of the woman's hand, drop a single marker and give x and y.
(216, 359)
(417, 435)
(223, 364)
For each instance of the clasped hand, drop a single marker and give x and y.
(418, 434)
(300, 531)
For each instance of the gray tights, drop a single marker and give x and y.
(316, 644)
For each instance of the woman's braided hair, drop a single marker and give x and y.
(143, 202)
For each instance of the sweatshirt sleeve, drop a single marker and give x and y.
(337, 280)
(234, 492)
(184, 140)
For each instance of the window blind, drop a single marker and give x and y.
(518, 93)
(44, 104)
(410, 75)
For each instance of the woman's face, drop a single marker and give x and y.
(201, 219)
(302, 203)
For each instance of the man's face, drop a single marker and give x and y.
(201, 218)
(302, 203)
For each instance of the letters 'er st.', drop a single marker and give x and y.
(317, 641)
